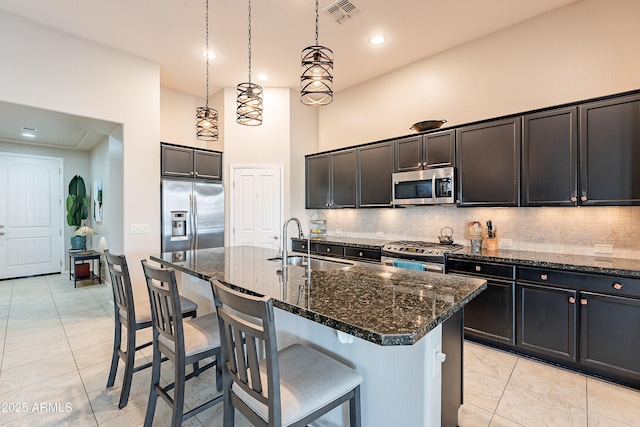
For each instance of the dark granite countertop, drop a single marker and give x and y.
(383, 305)
(577, 263)
(356, 242)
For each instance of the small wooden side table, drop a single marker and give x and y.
(81, 257)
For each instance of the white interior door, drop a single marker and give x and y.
(257, 205)
(30, 215)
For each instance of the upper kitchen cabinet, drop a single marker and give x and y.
(610, 152)
(186, 162)
(550, 158)
(331, 180)
(375, 167)
(488, 162)
(425, 151)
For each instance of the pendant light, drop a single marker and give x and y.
(207, 118)
(316, 83)
(249, 102)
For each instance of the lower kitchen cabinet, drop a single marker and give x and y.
(547, 321)
(610, 334)
(491, 314)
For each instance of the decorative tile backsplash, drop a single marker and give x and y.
(579, 230)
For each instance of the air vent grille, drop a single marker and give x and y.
(342, 10)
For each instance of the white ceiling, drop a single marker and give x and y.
(172, 34)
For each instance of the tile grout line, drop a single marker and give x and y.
(84, 387)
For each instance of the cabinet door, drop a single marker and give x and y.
(207, 164)
(490, 315)
(409, 155)
(343, 179)
(547, 320)
(609, 334)
(177, 161)
(439, 148)
(488, 159)
(550, 158)
(375, 167)
(317, 182)
(610, 152)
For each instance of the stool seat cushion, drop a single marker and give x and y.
(200, 334)
(309, 380)
(143, 309)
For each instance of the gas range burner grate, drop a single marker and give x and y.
(415, 246)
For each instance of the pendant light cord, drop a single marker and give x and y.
(317, 23)
(206, 16)
(249, 41)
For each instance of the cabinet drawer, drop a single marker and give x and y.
(297, 246)
(611, 285)
(482, 269)
(362, 254)
(331, 250)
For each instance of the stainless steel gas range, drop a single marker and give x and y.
(431, 255)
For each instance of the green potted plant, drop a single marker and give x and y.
(77, 209)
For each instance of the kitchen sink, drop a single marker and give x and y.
(316, 263)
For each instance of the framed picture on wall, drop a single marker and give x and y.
(97, 200)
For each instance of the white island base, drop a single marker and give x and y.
(401, 386)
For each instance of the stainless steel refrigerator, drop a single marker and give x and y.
(192, 215)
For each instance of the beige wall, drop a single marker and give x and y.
(55, 71)
(584, 50)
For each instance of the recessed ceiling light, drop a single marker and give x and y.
(212, 55)
(263, 77)
(28, 135)
(376, 40)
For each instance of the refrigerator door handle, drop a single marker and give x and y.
(195, 221)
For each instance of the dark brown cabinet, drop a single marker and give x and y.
(609, 334)
(610, 152)
(185, 162)
(425, 151)
(488, 161)
(331, 180)
(550, 158)
(491, 314)
(547, 320)
(375, 167)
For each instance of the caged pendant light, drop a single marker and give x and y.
(207, 118)
(249, 102)
(316, 83)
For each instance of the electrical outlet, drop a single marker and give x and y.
(145, 228)
(135, 228)
(338, 231)
(505, 243)
(603, 249)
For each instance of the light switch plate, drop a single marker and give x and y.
(603, 249)
(505, 243)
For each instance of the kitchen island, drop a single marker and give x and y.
(384, 322)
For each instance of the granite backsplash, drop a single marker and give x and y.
(557, 230)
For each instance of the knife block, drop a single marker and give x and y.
(492, 243)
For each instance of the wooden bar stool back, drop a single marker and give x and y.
(290, 387)
(184, 342)
(133, 317)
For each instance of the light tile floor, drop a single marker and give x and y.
(55, 344)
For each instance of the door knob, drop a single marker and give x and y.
(1, 233)
(275, 237)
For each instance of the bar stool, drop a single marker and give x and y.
(290, 387)
(182, 341)
(134, 317)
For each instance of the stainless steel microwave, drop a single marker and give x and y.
(424, 187)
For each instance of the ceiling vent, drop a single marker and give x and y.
(341, 10)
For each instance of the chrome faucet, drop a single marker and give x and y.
(285, 240)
